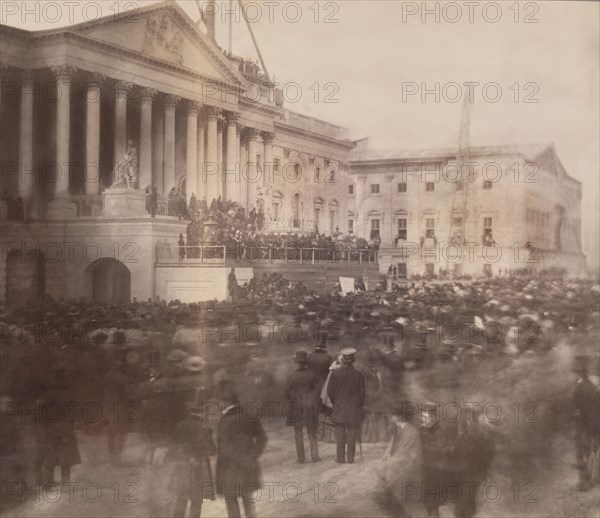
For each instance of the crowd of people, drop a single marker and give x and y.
(227, 224)
(444, 339)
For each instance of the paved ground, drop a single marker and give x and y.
(323, 489)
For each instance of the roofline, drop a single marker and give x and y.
(97, 21)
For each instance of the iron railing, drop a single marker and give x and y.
(251, 253)
(205, 254)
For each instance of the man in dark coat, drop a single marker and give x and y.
(346, 389)
(302, 391)
(59, 446)
(319, 361)
(585, 401)
(241, 442)
(192, 479)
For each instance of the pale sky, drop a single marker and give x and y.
(370, 48)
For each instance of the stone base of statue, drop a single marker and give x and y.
(122, 202)
(61, 208)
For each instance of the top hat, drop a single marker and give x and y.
(300, 357)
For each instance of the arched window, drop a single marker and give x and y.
(318, 211)
(333, 213)
(296, 211)
(276, 206)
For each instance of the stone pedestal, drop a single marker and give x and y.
(120, 202)
(61, 208)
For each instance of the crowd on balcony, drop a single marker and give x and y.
(227, 224)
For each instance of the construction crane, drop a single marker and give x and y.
(461, 193)
(202, 19)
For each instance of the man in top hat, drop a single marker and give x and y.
(346, 390)
(241, 442)
(585, 400)
(319, 360)
(192, 479)
(302, 391)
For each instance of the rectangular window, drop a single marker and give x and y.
(317, 174)
(487, 185)
(402, 228)
(402, 187)
(374, 229)
(374, 188)
(331, 221)
(429, 187)
(275, 211)
(430, 227)
(351, 189)
(276, 164)
(350, 226)
(487, 223)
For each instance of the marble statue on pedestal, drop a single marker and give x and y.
(125, 174)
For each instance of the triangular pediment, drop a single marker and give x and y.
(163, 32)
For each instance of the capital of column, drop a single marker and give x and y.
(95, 79)
(147, 94)
(268, 136)
(214, 112)
(193, 107)
(171, 101)
(122, 89)
(252, 133)
(64, 73)
(232, 117)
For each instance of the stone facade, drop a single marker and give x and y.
(500, 209)
(95, 114)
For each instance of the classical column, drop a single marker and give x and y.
(243, 159)
(210, 174)
(201, 154)
(3, 186)
(26, 166)
(120, 130)
(221, 182)
(169, 143)
(157, 148)
(252, 174)
(268, 139)
(63, 75)
(231, 174)
(61, 207)
(91, 171)
(191, 164)
(145, 164)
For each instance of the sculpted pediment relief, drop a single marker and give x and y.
(162, 39)
(168, 35)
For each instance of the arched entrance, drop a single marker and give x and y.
(25, 277)
(108, 281)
